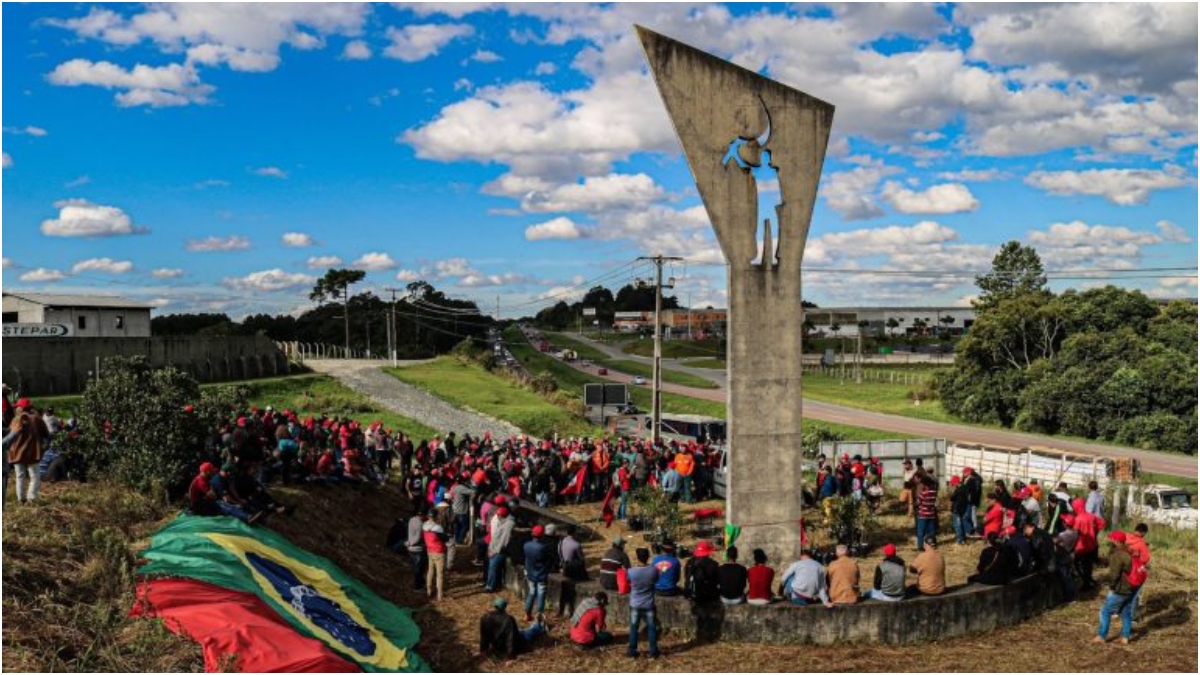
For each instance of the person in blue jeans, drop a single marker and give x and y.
(537, 572)
(960, 510)
(642, 578)
(1120, 598)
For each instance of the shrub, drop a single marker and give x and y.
(815, 436)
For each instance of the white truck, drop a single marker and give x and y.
(1162, 504)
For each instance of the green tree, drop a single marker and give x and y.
(1016, 270)
(892, 324)
(336, 284)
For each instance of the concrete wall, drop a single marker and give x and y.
(101, 321)
(965, 610)
(50, 366)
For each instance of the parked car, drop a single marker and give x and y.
(602, 371)
(639, 380)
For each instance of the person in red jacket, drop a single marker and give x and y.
(588, 622)
(1087, 549)
(993, 518)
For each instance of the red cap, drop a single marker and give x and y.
(538, 530)
(24, 403)
(955, 480)
(189, 408)
(241, 421)
(704, 548)
(889, 550)
(502, 511)
(967, 469)
(207, 467)
(1010, 530)
(501, 499)
(1117, 536)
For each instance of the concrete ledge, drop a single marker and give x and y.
(964, 610)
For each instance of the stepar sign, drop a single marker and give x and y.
(37, 330)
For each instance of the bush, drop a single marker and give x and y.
(664, 519)
(1159, 431)
(544, 383)
(815, 436)
(133, 426)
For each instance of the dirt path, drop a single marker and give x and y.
(366, 377)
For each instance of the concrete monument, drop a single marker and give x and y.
(733, 123)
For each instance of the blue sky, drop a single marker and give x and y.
(221, 157)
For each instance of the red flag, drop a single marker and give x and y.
(576, 484)
(606, 508)
(234, 624)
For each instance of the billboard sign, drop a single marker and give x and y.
(37, 330)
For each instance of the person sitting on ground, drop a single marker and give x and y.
(669, 568)
(1041, 547)
(253, 497)
(732, 577)
(760, 578)
(994, 566)
(613, 559)
(702, 574)
(843, 577)
(202, 500)
(804, 582)
(930, 568)
(588, 627)
(499, 635)
(1020, 553)
(889, 577)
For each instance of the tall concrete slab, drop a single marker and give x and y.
(732, 124)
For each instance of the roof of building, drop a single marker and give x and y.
(65, 300)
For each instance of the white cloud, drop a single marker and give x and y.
(486, 56)
(454, 10)
(356, 50)
(8, 161)
(42, 274)
(323, 261)
(167, 273)
(417, 42)
(211, 182)
(891, 238)
(1173, 233)
(975, 175)
(1123, 187)
(210, 244)
(936, 200)
(106, 265)
(297, 239)
(268, 281)
(270, 172)
(78, 182)
(1077, 244)
(81, 218)
(545, 68)
(478, 280)
(559, 228)
(851, 193)
(374, 262)
(29, 130)
(453, 267)
(462, 84)
(169, 85)
(595, 193)
(409, 276)
(8, 262)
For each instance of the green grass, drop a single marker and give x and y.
(884, 397)
(712, 364)
(471, 386)
(630, 367)
(1182, 482)
(674, 349)
(305, 394)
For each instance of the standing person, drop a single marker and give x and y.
(502, 527)
(570, 556)
(537, 572)
(415, 545)
(804, 582)
(759, 580)
(588, 627)
(1095, 500)
(975, 494)
(702, 574)
(889, 577)
(499, 635)
(843, 578)
(435, 548)
(615, 558)
(1064, 561)
(1120, 596)
(26, 448)
(930, 568)
(460, 505)
(642, 580)
(1139, 550)
(1087, 550)
(685, 464)
(672, 483)
(960, 504)
(732, 577)
(926, 510)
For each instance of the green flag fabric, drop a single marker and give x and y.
(309, 592)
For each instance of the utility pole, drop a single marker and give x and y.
(689, 315)
(394, 335)
(858, 361)
(656, 392)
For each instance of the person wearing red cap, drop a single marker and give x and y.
(202, 499)
(1120, 596)
(889, 577)
(25, 449)
(537, 572)
(701, 575)
(960, 504)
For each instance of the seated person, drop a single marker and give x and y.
(994, 567)
(499, 636)
(732, 578)
(759, 579)
(252, 496)
(930, 568)
(588, 622)
(702, 574)
(668, 567)
(202, 499)
(889, 577)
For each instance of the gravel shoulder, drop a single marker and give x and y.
(367, 377)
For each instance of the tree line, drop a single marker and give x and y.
(1103, 363)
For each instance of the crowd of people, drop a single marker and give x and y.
(467, 492)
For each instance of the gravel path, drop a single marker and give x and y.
(366, 377)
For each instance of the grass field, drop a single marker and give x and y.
(674, 349)
(877, 396)
(473, 387)
(712, 364)
(628, 366)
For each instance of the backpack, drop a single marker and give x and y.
(1138, 572)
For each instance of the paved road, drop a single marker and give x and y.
(1157, 462)
(366, 377)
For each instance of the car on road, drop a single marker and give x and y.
(639, 380)
(602, 371)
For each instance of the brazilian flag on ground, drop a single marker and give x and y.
(257, 603)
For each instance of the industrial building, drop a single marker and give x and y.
(76, 316)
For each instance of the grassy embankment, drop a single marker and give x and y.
(629, 366)
(573, 380)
